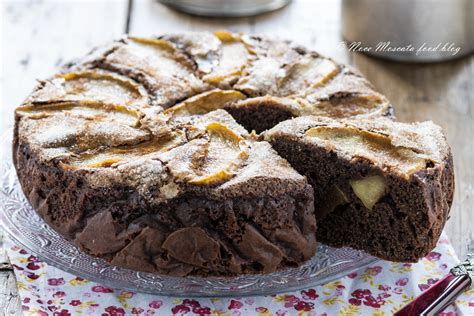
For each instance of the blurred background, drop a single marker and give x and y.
(39, 36)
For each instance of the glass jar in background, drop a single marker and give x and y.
(226, 8)
(409, 30)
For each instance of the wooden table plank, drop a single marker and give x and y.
(39, 36)
(9, 299)
(4, 262)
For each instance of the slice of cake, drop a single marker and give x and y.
(382, 186)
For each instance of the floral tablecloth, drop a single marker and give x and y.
(380, 289)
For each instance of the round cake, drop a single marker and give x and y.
(218, 153)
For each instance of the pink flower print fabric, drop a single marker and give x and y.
(382, 288)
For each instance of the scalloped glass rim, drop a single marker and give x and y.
(23, 225)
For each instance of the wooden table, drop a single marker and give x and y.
(38, 36)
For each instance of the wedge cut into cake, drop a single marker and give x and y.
(382, 186)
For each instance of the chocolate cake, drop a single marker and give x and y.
(155, 154)
(381, 186)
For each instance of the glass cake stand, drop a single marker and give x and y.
(22, 224)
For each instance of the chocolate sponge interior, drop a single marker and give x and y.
(260, 117)
(359, 205)
(197, 236)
